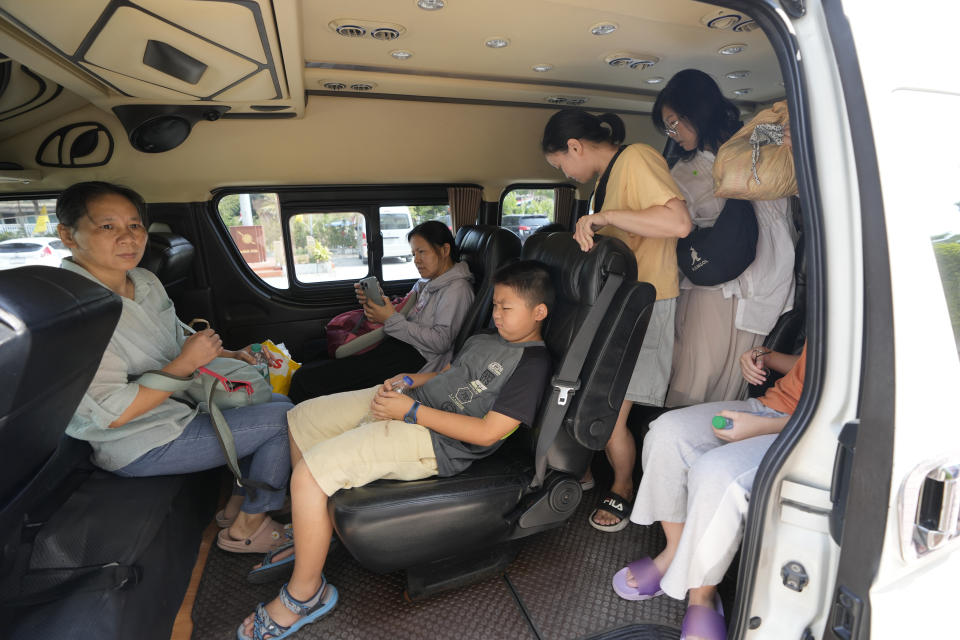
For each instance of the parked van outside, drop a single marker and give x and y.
(395, 224)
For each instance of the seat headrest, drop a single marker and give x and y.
(484, 248)
(577, 275)
(169, 256)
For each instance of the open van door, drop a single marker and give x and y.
(854, 528)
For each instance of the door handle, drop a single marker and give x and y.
(929, 509)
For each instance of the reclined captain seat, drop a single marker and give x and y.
(446, 532)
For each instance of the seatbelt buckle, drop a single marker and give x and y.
(566, 388)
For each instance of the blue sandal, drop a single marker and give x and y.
(264, 625)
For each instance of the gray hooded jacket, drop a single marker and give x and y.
(432, 326)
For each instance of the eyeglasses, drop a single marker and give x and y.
(670, 128)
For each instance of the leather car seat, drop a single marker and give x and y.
(382, 524)
(485, 248)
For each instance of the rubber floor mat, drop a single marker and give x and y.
(558, 588)
(640, 632)
(563, 578)
(371, 606)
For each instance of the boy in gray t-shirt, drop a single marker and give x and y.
(445, 422)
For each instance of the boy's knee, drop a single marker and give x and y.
(301, 479)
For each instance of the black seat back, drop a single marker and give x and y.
(484, 248)
(170, 257)
(54, 329)
(578, 278)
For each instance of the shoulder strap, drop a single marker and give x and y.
(163, 381)
(567, 379)
(600, 191)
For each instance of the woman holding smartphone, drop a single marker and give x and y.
(420, 341)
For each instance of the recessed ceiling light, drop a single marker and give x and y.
(334, 86)
(431, 5)
(654, 80)
(741, 92)
(736, 75)
(497, 43)
(603, 28)
(731, 49)
(363, 86)
(540, 68)
(401, 54)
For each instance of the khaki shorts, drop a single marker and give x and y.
(342, 453)
(648, 384)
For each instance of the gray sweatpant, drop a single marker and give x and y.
(691, 476)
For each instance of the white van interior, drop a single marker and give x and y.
(285, 149)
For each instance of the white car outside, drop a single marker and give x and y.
(20, 252)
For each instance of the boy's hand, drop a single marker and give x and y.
(389, 382)
(390, 405)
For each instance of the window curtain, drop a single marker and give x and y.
(464, 205)
(563, 204)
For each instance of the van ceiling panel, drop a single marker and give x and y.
(237, 40)
(56, 20)
(451, 42)
(120, 45)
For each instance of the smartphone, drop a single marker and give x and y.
(371, 289)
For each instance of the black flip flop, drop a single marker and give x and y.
(615, 505)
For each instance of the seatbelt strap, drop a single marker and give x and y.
(566, 382)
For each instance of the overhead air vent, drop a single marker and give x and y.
(724, 20)
(567, 101)
(384, 33)
(362, 86)
(376, 29)
(334, 86)
(638, 61)
(351, 31)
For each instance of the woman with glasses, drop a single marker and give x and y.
(136, 431)
(715, 324)
(638, 202)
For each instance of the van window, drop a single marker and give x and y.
(324, 246)
(28, 232)
(525, 210)
(395, 223)
(253, 221)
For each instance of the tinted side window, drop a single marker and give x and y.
(253, 220)
(526, 210)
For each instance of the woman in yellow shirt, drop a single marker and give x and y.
(637, 201)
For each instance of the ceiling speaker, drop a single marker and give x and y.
(156, 128)
(160, 134)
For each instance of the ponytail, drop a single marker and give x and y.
(581, 125)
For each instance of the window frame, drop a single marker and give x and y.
(530, 185)
(300, 200)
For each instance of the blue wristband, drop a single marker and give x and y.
(411, 416)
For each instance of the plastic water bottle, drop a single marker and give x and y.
(400, 386)
(261, 362)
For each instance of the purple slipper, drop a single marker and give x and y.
(704, 622)
(647, 577)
